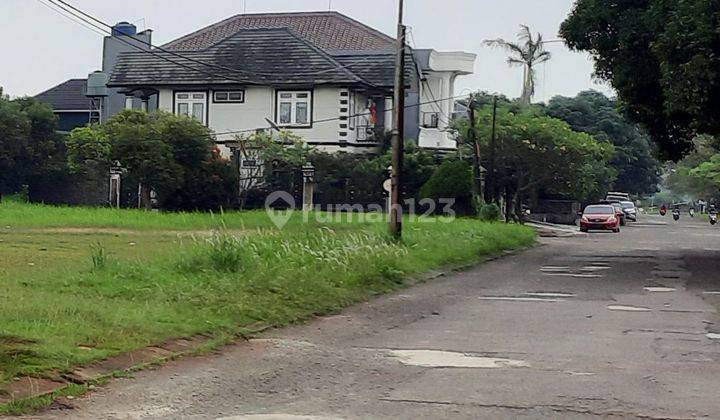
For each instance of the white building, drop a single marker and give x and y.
(323, 75)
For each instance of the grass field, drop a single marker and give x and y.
(82, 284)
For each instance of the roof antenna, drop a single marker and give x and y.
(329, 5)
(244, 6)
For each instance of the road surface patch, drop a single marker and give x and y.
(277, 417)
(628, 308)
(576, 275)
(550, 294)
(554, 269)
(595, 268)
(449, 359)
(658, 289)
(519, 299)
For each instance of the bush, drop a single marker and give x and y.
(490, 212)
(452, 179)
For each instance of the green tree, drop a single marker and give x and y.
(527, 53)
(682, 179)
(88, 151)
(175, 156)
(596, 114)
(30, 150)
(661, 56)
(537, 154)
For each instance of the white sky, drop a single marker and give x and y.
(40, 48)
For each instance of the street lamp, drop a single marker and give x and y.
(116, 171)
(308, 173)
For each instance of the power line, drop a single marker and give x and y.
(70, 8)
(216, 66)
(424, 80)
(332, 119)
(69, 17)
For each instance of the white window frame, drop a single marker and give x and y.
(294, 99)
(228, 93)
(191, 99)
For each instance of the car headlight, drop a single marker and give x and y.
(612, 219)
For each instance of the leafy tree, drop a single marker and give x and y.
(173, 155)
(88, 151)
(527, 53)
(30, 150)
(661, 56)
(594, 113)
(537, 154)
(683, 179)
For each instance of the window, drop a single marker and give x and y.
(294, 109)
(191, 104)
(235, 96)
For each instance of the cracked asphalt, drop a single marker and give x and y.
(605, 325)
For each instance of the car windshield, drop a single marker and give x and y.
(627, 204)
(599, 210)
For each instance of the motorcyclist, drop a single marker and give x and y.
(692, 212)
(676, 213)
(712, 212)
(663, 209)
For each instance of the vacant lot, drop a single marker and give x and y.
(77, 285)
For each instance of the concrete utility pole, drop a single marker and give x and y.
(398, 135)
(491, 187)
(473, 141)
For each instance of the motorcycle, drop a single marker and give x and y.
(692, 212)
(676, 215)
(713, 219)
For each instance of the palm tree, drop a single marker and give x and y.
(528, 53)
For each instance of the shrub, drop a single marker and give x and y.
(452, 179)
(490, 212)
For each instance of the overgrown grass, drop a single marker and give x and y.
(103, 295)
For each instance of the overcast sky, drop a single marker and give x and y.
(40, 48)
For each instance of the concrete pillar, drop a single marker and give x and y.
(129, 102)
(388, 113)
(144, 104)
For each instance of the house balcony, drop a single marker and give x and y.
(434, 133)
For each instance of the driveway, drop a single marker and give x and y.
(621, 325)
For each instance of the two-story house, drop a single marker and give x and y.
(322, 75)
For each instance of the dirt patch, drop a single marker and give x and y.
(28, 387)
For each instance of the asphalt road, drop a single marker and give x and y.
(565, 330)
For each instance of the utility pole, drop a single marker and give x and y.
(398, 135)
(473, 141)
(491, 182)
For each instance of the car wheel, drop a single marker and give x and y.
(616, 230)
(583, 230)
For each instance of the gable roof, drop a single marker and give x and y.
(257, 56)
(68, 95)
(330, 31)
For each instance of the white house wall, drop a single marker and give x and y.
(328, 103)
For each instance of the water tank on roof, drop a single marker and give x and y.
(97, 85)
(124, 28)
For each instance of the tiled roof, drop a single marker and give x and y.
(69, 95)
(259, 56)
(377, 68)
(330, 31)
